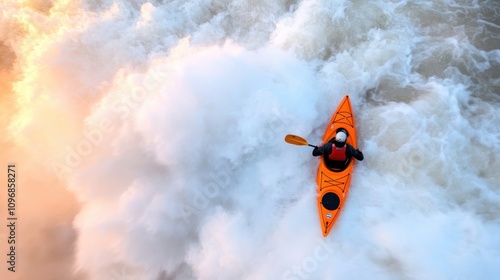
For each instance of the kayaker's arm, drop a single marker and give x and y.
(321, 150)
(356, 153)
(317, 151)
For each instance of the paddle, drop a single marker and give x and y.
(297, 140)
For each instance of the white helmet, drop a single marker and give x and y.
(340, 137)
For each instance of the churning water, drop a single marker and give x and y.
(149, 135)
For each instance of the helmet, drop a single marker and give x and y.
(341, 137)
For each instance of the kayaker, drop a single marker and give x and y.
(338, 151)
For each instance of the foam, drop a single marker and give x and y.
(166, 122)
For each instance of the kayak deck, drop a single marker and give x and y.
(333, 182)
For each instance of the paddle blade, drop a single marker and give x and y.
(295, 140)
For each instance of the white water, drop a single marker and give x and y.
(166, 121)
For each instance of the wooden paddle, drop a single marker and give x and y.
(297, 140)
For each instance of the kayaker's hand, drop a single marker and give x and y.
(316, 152)
(360, 150)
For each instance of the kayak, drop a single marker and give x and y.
(333, 181)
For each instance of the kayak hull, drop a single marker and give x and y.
(333, 183)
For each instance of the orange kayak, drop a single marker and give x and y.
(333, 183)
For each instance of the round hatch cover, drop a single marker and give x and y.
(330, 201)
